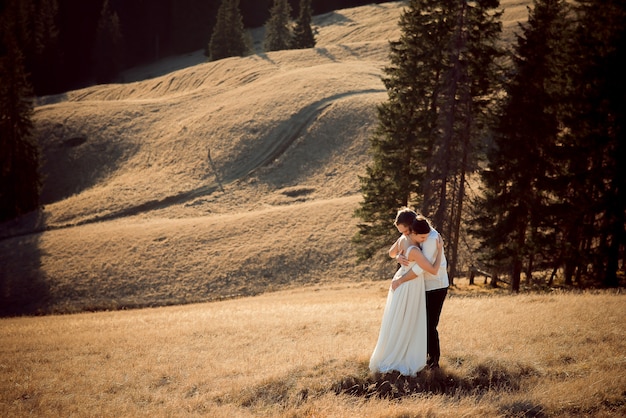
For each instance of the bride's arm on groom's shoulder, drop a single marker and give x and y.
(395, 249)
(398, 250)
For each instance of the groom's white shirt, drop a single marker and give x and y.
(429, 249)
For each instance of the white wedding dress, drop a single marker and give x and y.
(401, 342)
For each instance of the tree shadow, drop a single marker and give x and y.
(50, 99)
(332, 19)
(92, 157)
(24, 289)
(324, 52)
(265, 57)
(350, 50)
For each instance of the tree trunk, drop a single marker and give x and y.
(494, 279)
(615, 238)
(569, 273)
(531, 259)
(515, 275)
(529, 270)
(460, 197)
(553, 275)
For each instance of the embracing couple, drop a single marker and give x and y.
(408, 340)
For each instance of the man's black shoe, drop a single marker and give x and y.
(432, 366)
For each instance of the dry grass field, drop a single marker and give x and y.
(253, 304)
(304, 353)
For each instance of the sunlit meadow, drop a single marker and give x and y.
(305, 353)
(288, 320)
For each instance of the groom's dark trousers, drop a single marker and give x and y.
(434, 303)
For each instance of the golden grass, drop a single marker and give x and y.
(288, 354)
(139, 262)
(135, 219)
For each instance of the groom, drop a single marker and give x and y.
(436, 289)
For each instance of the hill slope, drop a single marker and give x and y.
(218, 179)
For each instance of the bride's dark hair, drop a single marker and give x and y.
(420, 225)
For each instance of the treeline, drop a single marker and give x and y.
(518, 156)
(230, 39)
(51, 46)
(65, 42)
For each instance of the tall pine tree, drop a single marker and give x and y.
(47, 71)
(303, 36)
(19, 166)
(277, 28)
(595, 144)
(402, 141)
(523, 178)
(228, 38)
(439, 86)
(466, 95)
(108, 51)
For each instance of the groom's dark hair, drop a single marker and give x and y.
(405, 216)
(420, 225)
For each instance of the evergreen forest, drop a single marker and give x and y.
(518, 153)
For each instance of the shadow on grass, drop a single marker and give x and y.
(24, 289)
(479, 380)
(295, 388)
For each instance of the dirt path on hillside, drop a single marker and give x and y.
(276, 144)
(287, 132)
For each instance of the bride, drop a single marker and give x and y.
(401, 342)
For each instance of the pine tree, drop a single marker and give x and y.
(108, 53)
(19, 176)
(229, 36)
(277, 30)
(189, 24)
(47, 71)
(303, 36)
(406, 125)
(523, 174)
(469, 74)
(595, 146)
(439, 86)
(218, 46)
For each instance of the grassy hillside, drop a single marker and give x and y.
(137, 214)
